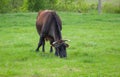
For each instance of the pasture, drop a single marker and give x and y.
(94, 48)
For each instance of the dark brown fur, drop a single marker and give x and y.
(49, 26)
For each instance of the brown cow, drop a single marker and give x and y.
(49, 26)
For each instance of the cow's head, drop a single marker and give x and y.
(60, 47)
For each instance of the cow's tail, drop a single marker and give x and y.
(58, 24)
(58, 21)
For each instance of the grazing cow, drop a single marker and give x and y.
(49, 26)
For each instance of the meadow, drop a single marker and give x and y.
(94, 49)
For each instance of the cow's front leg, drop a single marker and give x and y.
(56, 52)
(51, 49)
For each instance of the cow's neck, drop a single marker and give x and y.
(57, 39)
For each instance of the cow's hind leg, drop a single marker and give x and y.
(43, 45)
(40, 43)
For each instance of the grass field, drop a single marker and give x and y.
(94, 48)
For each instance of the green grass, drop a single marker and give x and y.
(94, 48)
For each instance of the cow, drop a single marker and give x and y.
(49, 26)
